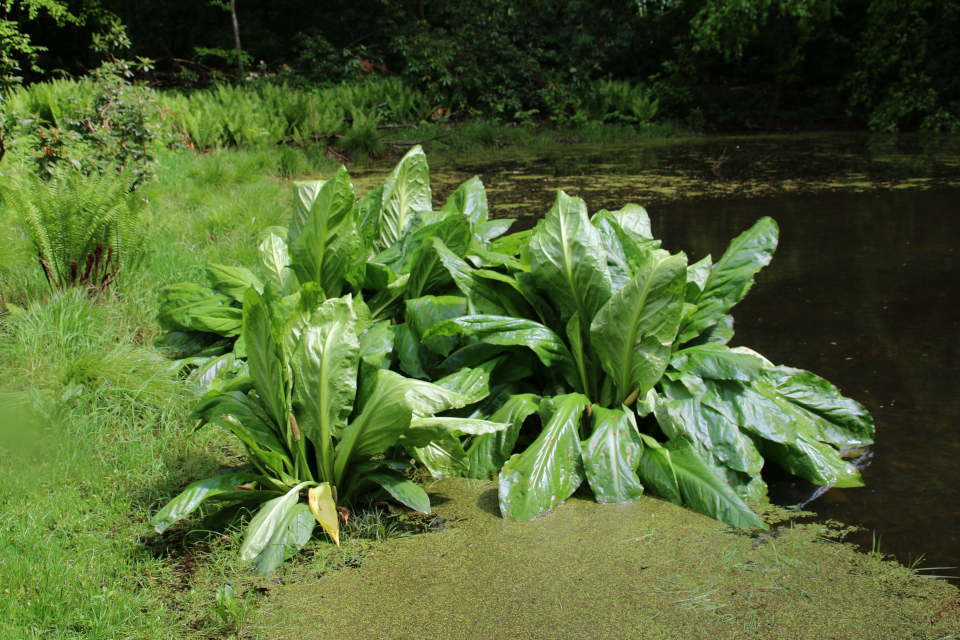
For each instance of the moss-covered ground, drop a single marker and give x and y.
(643, 570)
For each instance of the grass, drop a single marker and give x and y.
(94, 435)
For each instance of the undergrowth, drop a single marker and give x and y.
(94, 435)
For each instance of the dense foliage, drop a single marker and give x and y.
(381, 331)
(887, 64)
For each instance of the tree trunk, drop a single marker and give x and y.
(236, 36)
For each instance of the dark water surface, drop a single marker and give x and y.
(863, 289)
(863, 292)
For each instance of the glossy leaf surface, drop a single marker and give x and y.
(191, 497)
(568, 260)
(611, 456)
(402, 489)
(731, 277)
(406, 191)
(233, 281)
(290, 535)
(535, 482)
(635, 329)
(488, 452)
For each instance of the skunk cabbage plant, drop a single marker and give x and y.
(377, 331)
(621, 330)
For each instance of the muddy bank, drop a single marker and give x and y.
(644, 570)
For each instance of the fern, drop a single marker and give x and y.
(86, 228)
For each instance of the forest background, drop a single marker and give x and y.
(886, 65)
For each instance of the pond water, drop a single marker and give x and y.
(862, 290)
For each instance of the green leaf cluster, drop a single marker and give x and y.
(622, 330)
(379, 331)
(297, 364)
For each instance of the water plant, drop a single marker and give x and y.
(626, 330)
(466, 333)
(306, 386)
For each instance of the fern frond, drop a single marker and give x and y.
(69, 216)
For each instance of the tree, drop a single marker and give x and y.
(897, 78)
(16, 46)
(729, 26)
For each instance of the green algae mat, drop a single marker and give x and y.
(642, 570)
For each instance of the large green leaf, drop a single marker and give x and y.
(215, 371)
(233, 281)
(586, 367)
(627, 249)
(705, 491)
(386, 303)
(429, 399)
(718, 362)
(191, 497)
(611, 456)
(490, 230)
(291, 534)
(406, 191)
(415, 360)
(304, 194)
(179, 302)
(753, 407)
(470, 200)
(376, 352)
(368, 214)
(277, 462)
(656, 472)
(679, 412)
(266, 369)
(458, 426)
(632, 218)
(697, 274)
(305, 303)
(568, 260)
(402, 489)
(215, 405)
(437, 449)
(506, 331)
(635, 329)
(841, 421)
(488, 452)
(538, 480)
(428, 273)
(274, 261)
(271, 517)
(473, 383)
(731, 277)
(487, 292)
(814, 461)
(226, 321)
(183, 344)
(422, 313)
(328, 248)
(325, 376)
(386, 416)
